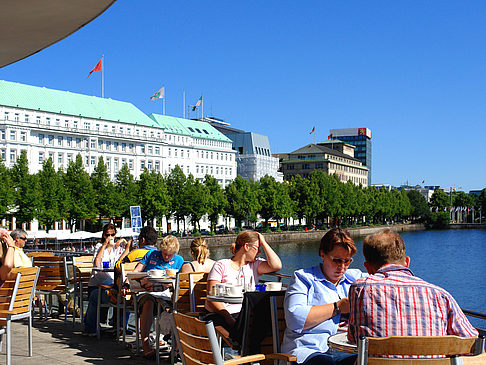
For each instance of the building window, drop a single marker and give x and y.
(157, 150)
(175, 152)
(66, 123)
(115, 164)
(78, 142)
(108, 163)
(130, 164)
(100, 144)
(93, 160)
(149, 165)
(70, 157)
(142, 165)
(169, 153)
(41, 157)
(149, 150)
(2, 134)
(157, 166)
(93, 143)
(13, 156)
(69, 141)
(124, 147)
(108, 145)
(50, 138)
(37, 119)
(3, 154)
(115, 146)
(16, 117)
(59, 159)
(23, 136)
(13, 135)
(26, 118)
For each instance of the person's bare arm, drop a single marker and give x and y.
(273, 262)
(186, 268)
(218, 307)
(8, 258)
(323, 312)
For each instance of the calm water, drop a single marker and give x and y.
(453, 259)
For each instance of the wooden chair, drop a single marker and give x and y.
(40, 254)
(16, 296)
(119, 305)
(404, 350)
(198, 344)
(81, 274)
(53, 278)
(190, 292)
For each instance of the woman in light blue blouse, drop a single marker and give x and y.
(315, 300)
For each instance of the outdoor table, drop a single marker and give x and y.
(257, 302)
(339, 342)
(103, 269)
(225, 299)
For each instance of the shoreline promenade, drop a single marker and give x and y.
(57, 343)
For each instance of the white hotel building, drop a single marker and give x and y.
(60, 124)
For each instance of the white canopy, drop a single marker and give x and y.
(29, 26)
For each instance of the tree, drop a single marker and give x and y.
(176, 182)
(26, 192)
(217, 202)
(153, 196)
(51, 193)
(197, 199)
(104, 191)
(80, 197)
(267, 197)
(419, 207)
(439, 200)
(7, 192)
(242, 200)
(126, 192)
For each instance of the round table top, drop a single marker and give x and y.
(339, 342)
(104, 269)
(162, 280)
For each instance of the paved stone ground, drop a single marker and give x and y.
(57, 343)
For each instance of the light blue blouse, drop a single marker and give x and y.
(308, 288)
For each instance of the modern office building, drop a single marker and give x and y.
(57, 124)
(361, 139)
(338, 160)
(253, 155)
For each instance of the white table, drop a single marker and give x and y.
(225, 299)
(339, 342)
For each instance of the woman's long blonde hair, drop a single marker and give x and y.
(199, 250)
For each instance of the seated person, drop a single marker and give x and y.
(12, 253)
(164, 258)
(243, 268)
(105, 251)
(315, 300)
(200, 255)
(394, 302)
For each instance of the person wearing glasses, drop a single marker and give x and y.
(244, 268)
(315, 300)
(12, 253)
(394, 302)
(106, 251)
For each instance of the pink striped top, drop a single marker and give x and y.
(394, 302)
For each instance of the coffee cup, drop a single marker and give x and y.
(154, 273)
(171, 272)
(274, 285)
(220, 289)
(234, 290)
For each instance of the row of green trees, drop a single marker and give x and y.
(74, 195)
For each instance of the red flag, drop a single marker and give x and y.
(329, 136)
(313, 130)
(96, 68)
(423, 181)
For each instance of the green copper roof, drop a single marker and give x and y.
(64, 102)
(193, 128)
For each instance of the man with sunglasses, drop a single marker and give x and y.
(394, 302)
(19, 237)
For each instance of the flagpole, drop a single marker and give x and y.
(163, 104)
(183, 104)
(102, 76)
(202, 108)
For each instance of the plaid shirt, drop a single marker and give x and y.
(394, 302)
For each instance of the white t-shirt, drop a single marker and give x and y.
(223, 272)
(105, 278)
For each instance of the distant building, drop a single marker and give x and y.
(361, 139)
(253, 155)
(338, 160)
(426, 191)
(56, 124)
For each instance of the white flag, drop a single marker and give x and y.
(160, 94)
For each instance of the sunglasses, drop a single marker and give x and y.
(110, 234)
(339, 261)
(22, 238)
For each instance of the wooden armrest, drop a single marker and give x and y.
(281, 356)
(224, 334)
(102, 286)
(245, 359)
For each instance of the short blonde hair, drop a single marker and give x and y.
(169, 244)
(199, 250)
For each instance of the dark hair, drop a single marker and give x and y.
(105, 229)
(337, 237)
(242, 238)
(384, 247)
(149, 234)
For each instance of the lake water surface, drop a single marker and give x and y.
(452, 259)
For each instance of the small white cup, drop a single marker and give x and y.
(234, 290)
(273, 285)
(220, 289)
(156, 273)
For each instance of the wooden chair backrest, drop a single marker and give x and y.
(82, 269)
(40, 254)
(407, 346)
(182, 294)
(126, 267)
(199, 281)
(17, 292)
(53, 273)
(194, 340)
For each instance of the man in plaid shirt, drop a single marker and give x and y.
(394, 302)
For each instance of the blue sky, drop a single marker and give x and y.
(413, 72)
